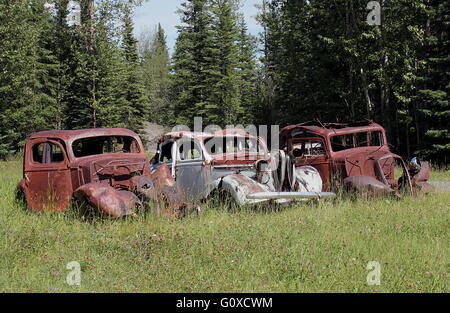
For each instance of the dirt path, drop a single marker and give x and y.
(441, 186)
(152, 133)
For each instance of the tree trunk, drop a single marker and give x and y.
(91, 24)
(91, 12)
(369, 105)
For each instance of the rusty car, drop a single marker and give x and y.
(236, 163)
(355, 156)
(106, 168)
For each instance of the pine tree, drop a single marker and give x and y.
(155, 67)
(319, 59)
(433, 100)
(133, 103)
(224, 105)
(323, 60)
(110, 59)
(193, 63)
(246, 71)
(62, 45)
(265, 108)
(213, 57)
(27, 89)
(102, 86)
(81, 66)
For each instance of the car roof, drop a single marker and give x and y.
(235, 132)
(327, 129)
(83, 133)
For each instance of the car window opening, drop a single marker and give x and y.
(189, 150)
(356, 140)
(47, 152)
(104, 144)
(222, 145)
(166, 152)
(308, 148)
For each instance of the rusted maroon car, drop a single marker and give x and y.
(107, 168)
(235, 163)
(354, 155)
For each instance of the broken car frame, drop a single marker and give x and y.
(235, 162)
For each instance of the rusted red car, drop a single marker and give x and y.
(107, 168)
(353, 155)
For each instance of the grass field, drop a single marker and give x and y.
(306, 248)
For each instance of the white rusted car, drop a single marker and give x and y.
(237, 163)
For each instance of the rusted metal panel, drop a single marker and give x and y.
(387, 165)
(367, 185)
(328, 129)
(106, 199)
(162, 188)
(240, 186)
(47, 186)
(420, 173)
(71, 135)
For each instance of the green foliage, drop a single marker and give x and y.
(193, 62)
(133, 104)
(224, 103)
(247, 72)
(27, 88)
(55, 76)
(322, 60)
(316, 59)
(433, 97)
(213, 64)
(155, 64)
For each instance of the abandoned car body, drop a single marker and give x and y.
(235, 162)
(356, 156)
(108, 168)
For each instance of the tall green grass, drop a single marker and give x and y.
(322, 247)
(438, 174)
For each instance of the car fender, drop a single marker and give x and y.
(367, 185)
(108, 200)
(308, 179)
(239, 186)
